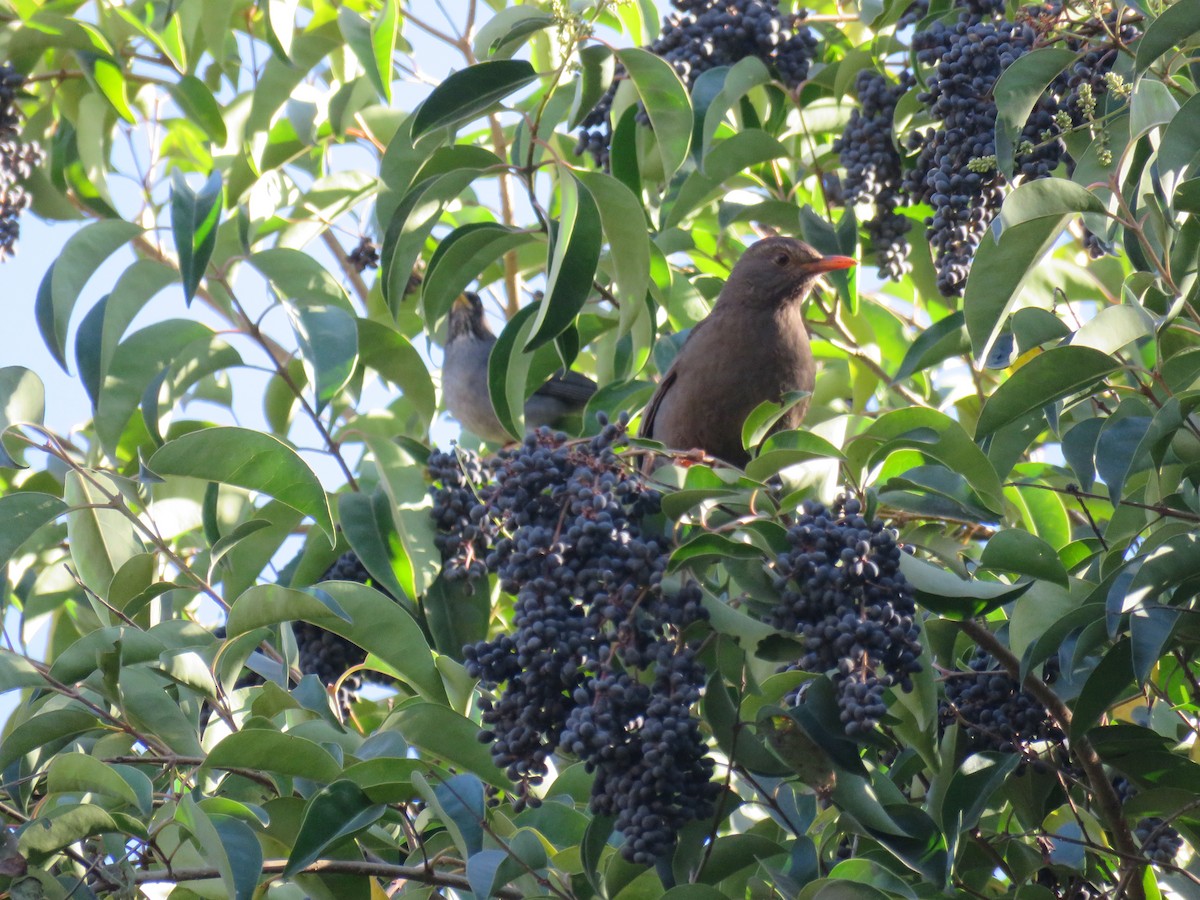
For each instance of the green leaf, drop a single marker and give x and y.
(195, 216)
(596, 68)
(1046, 197)
(1180, 145)
(508, 371)
(1109, 681)
(574, 253)
(101, 331)
(1171, 30)
(948, 595)
(403, 479)
(59, 291)
(140, 362)
(63, 826)
(788, 448)
(1017, 91)
(998, 273)
(265, 750)
(251, 460)
(297, 276)
(44, 729)
(468, 93)
(367, 524)
(744, 75)
(105, 76)
(943, 339)
(1053, 375)
(934, 435)
(1013, 550)
(70, 773)
(279, 17)
(244, 853)
(22, 402)
(445, 734)
(629, 245)
(101, 538)
(765, 416)
(461, 257)
(328, 339)
(361, 614)
(17, 672)
(199, 105)
(666, 102)
(1152, 106)
(504, 34)
(390, 353)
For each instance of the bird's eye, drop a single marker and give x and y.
(782, 259)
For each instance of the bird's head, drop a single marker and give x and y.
(777, 270)
(466, 318)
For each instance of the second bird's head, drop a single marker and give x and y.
(466, 318)
(778, 270)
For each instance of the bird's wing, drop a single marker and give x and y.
(568, 387)
(651, 411)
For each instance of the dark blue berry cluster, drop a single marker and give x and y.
(955, 167)
(1160, 842)
(595, 665)
(17, 161)
(704, 34)
(841, 589)
(995, 712)
(873, 167)
(459, 511)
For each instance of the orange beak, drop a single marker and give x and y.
(830, 264)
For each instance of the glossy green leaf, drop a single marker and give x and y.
(22, 401)
(1169, 31)
(101, 330)
(1046, 197)
(999, 272)
(1152, 107)
(505, 32)
(79, 773)
(65, 825)
(470, 92)
(328, 339)
(948, 595)
(1053, 375)
(666, 102)
(101, 538)
(262, 749)
(403, 480)
(574, 253)
(194, 219)
(45, 729)
(279, 17)
(1013, 550)
(106, 76)
(390, 353)
(629, 245)
(1017, 91)
(250, 460)
(64, 280)
(298, 276)
(461, 258)
(359, 613)
(597, 66)
(199, 105)
(446, 735)
(940, 341)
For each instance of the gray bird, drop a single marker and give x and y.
(752, 347)
(465, 379)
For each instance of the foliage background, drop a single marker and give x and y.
(1033, 441)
